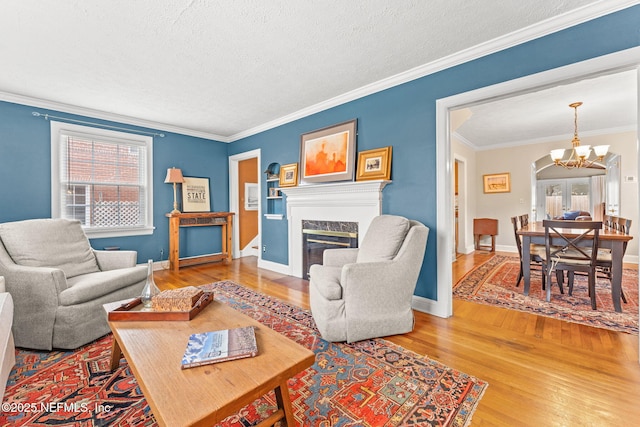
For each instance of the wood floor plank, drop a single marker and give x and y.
(541, 371)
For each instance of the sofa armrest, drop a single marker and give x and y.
(339, 257)
(113, 260)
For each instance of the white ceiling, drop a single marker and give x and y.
(225, 68)
(609, 105)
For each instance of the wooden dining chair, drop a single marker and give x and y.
(572, 246)
(535, 253)
(604, 255)
(524, 220)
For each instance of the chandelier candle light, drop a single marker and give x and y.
(580, 153)
(174, 176)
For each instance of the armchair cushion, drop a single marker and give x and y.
(57, 243)
(91, 286)
(383, 239)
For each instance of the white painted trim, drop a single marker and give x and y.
(234, 202)
(626, 59)
(274, 266)
(427, 305)
(97, 114)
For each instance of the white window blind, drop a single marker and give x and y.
(103, 179)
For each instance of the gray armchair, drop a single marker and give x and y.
(366, 292)
(59, 283)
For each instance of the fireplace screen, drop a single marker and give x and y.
(314, 243)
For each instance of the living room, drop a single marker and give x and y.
(400, 112)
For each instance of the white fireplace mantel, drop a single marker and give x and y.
(358, 201)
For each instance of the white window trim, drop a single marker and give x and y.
(56, 209)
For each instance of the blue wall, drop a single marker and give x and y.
(25, 151)
(403, 116)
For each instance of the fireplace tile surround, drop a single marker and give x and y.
(344, 202)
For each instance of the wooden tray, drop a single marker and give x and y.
(132, 310)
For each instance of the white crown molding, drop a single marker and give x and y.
(102, 115)
(541, 29)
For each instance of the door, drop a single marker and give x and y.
(555, 197)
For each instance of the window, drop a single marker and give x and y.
(102, 178)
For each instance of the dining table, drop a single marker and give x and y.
(609, 238)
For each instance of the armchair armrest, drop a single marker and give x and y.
(339, 257)
(113, 260)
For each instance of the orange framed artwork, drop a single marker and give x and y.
(497, 182)
(328, 154)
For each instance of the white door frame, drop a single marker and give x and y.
(234, 200)
(627, 59)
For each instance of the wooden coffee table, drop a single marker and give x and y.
(205, 395)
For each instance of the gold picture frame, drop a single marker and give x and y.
(497, 183)
(374, 164)
(289, 175)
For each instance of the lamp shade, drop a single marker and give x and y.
(557, 154)
(583, 151)
(174, 176)
(601, 150)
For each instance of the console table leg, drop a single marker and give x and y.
(284, 403)
(116, 354)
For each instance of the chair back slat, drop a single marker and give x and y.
(572, 242)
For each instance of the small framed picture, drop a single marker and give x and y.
(374, 164)
(289, 175)
(497, 182)
(250, 196)
(274, 192)
(195, 195)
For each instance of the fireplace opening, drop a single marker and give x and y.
(320, 235)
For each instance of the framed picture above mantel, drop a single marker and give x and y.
(374, 164)
(328, 154)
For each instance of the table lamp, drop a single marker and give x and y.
(174, 176)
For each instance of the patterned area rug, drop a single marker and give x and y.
(369, 383)
(493, 283)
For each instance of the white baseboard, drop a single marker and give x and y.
(274, 266)
(429, 306)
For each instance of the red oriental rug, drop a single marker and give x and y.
(371, 383)
(493, 283)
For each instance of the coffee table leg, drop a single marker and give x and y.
(116, 354)
(284, 403)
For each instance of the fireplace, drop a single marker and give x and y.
(356, 202)
(320, 235)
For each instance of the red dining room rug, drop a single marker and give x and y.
(493, 283)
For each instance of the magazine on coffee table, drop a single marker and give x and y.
(219, 346)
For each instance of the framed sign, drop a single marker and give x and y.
(328, 154)
(195, 195)
(374, 164)
(497, 182)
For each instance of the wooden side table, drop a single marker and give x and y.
(200, 219)
(485, 227)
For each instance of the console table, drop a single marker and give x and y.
(200, 219)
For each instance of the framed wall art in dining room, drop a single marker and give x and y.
(328, 154)
(196, 196)
(289, 175)
(497, 182)
(374, 164)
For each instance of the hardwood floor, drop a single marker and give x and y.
(541, 372)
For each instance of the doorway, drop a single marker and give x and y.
(238, 203)
(629, 59)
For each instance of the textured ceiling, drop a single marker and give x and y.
(609, 105)
(226, 67)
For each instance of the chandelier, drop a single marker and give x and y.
(579, 157)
